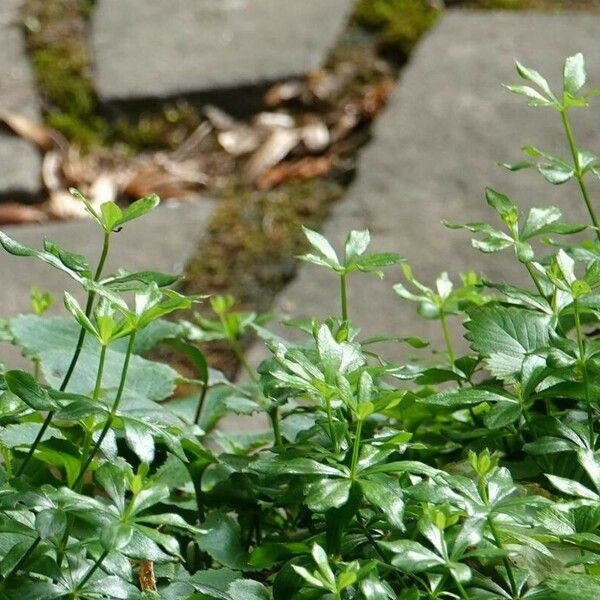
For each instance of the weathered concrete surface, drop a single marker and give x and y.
(447, 125)
(161, 241)
(19, 160)
(164, 48)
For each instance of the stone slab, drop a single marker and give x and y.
(19, 160)
(437, 145)
(164, 241)
(165, 48)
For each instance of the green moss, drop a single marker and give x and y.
(400, 23)
(253, 236)
(56, 37)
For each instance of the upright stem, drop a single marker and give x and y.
(535, 278)
(506, 562)
(200, 403)
(332, 433)
(112, 413)
(99, 374)
(91, 571)
(582, 363)
(578, 173)
(447, 339)
(344, 297)
(78, 348)
(356, 448)
(274, 417)
(461, 589)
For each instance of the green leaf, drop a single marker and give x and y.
(13, 247)
(535, 78)
(116, 537)
(138, 209)
(246, 589)
(501, 204)
(385, 493)
(571, 487)
(50, 523)
(412, 557)
(538, 219)
(459, 398)
(574, 74)
(573, 586)
(139, 439)
(111, 215)
(318, 242)
(73, 307)
(327, 493)
(502, 414)
(53, 340)
(222, 541)
(505, 336)
(24, 386)
(556, 174)
(356, 245)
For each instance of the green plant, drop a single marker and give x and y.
(470, 476)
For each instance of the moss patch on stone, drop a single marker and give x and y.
(400, 23)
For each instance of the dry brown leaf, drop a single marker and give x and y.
(315, 136)
(12, 213)
(308, 167)
(147, 577)
(277, 146)
(283, 92)
(239, 141)
(52, 170)
(42, 136)
(219, 119)
(273, 120)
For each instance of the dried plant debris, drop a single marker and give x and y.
(307, 131)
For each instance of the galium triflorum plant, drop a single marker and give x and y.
(470, 476)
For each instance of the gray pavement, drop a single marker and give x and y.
(19, 160)
(163, 48)
(436, 147)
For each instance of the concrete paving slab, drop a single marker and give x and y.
(19, 160)
(166, 48)
(162, 241)
(447, 125)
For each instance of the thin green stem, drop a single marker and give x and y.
(578, 174)
(447, 338)
(332, 434)
(461, 589)
(535, 279)
(274, 417)
(84, 452)
(356, 448)
(91, 571)
(344, 297)
(99, 373)
(112, 413)
(75, 358)
(583, 365)
(237, 349)
(200, 403)
(36, 369)
(505, 561)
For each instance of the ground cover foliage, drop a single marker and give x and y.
(472, 476)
